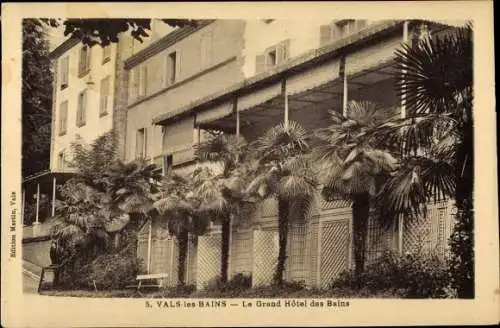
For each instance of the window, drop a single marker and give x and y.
(143, 77)
(84, 64)
(60, 160)
(141, 143)
(63, 117)
(271, 58)
(206, 50)
(167, 163)
(106, 54)
(104, 96)
(171, 68)
(64, 72)
(81, 111)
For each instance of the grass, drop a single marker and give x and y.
(258, 292)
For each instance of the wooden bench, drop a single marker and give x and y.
(153, 280)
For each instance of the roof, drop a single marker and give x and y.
(63, 48)
(309, 59)
(165, 42)
(42, 175)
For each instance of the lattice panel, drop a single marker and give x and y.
(142, 252)
(241, 251)
(295, 269)
(341, 203)
(379, 240)
(312, 255)
(164, 258)
(418, 234)
(430, 233)
(191, 260)
(265, 250)
(269, 207)
(334, 250)
(208, 259)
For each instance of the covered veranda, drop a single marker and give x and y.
(39, 196)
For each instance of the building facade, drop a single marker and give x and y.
(281, 70)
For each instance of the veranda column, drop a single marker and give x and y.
(285, 100)
(37, 203)
(403, 115)
(54, 181)
(148, 268)
(345, 88)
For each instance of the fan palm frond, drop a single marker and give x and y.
(436, 70)
(282, 142)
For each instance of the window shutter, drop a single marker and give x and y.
(79, 111)
(103, 109)
(177, 66)
(63, 116)
(64, 71)
(260, 64)
(84, 108)
(106, 53)
(283, 52)
(145, 142)
(325, 34)
(89, 57)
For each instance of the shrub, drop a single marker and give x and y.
(237, 284)
(108, 271)
(409, 276)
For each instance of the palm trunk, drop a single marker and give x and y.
(283, 218)
(181, 264)
(462, 241)
(360, 216)
(224, 263)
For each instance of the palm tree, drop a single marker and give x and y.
(221, 187)
(436, 138)
(79, 223)
(178, 208)
(354, 168)
(285, 173)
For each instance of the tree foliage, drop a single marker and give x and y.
(435, 140)
(354, 167)
(285, 172)
(36, 98)
(105, 31)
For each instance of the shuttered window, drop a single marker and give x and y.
(172, 68)
(84, 62)
(106, 54)
(60, 160)
(178, 140)
(63, 117)
(64, 72)
(81, 111)
(272, 56)
(104, 96)
(141, 143)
